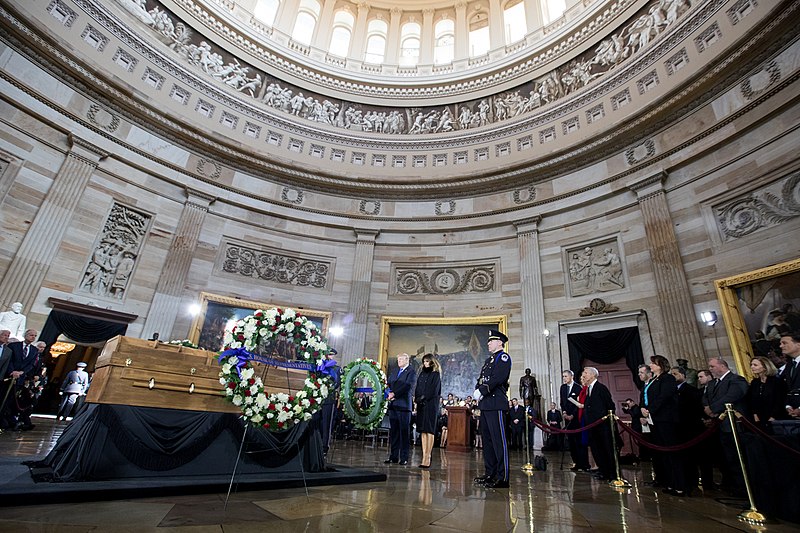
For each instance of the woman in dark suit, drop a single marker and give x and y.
(766, 397)
(660, 405)
(426, 396)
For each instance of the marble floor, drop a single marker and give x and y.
(442, 499)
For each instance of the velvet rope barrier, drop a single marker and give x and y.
(757, 430)
(548, 429)
(641, 441)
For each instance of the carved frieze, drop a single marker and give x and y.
(760, 209)
(446, 278)
(594, 267)
(275, 266)
(110, 267)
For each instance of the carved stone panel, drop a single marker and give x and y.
(110, 267)
(444, 278)
(759, 209)
(275, 266)
(594, 267)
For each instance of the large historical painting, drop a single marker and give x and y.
(217, 313)
(459, 344)
(759, 306)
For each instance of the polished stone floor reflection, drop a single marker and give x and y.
(441, 499)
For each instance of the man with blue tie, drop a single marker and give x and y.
(491, 390)
(401, 386)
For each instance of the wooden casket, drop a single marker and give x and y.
(144, 373)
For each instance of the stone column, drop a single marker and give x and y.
(533, 17)
(461, 50)
(393, 37)
(286, 15)
(355, 337)
(358, 42)
(426, 38)
(324, 27)
(534, 342)
(166, 301)
(672, 289)
(497, 32)
(27, 270)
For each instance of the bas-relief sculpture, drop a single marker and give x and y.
(14, 321)
(591, 272)
(449, 280)
(114, 257)
(270, 265)
(651, 21)
(760, 209)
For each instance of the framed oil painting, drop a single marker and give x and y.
(459, 345)
(218, 312)
(757, 307)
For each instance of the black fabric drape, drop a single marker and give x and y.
(606, 347)
(79, 328)
(120, 441)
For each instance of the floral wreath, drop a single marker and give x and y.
(377, 410)
(276, 411)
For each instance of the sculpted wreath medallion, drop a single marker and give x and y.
(247, 341)
(363, 393)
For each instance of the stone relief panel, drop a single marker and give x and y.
(646, 25)
(444, 278)
(276, 266)
(116, 251)
(594, 267)
(760, 209)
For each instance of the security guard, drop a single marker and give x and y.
(492, 394)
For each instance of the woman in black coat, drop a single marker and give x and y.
(660, 404)
(766, 397)
(426, 396)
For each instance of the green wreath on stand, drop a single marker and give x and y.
(373, 380)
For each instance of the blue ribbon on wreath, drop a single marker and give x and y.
(242, 356)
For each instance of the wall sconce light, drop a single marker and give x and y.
(709, 317)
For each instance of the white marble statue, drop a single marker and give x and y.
(14, 321)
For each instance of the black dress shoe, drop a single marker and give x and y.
(497, 484)
(403, 463)
(387, 461)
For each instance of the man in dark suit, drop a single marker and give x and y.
(401, 386)
(597, 405)
(578, 452)
(790, 348)
(25, 362)
(6, 381)
(728, 388)
(516, 421)
(690, 423)
(491, 390)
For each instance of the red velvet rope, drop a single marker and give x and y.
(754, 428)
(641, 441)
(549, 429)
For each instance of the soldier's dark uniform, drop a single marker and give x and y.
(493, 386)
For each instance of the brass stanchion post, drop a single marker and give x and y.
(751, 516)
(620, 482)
(527, 467)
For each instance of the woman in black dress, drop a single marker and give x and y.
(660, 405)
(766, 397)
(426, 396)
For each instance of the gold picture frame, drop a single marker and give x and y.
(210, 328)
(459, 344)
(728, 292)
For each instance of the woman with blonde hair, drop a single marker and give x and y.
(426, 396)
(766, 396)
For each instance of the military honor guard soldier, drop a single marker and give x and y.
(491, 391)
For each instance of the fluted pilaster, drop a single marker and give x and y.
(672, 288)
(166, 301)
(40, 244)
(356, 334)
(534, 343)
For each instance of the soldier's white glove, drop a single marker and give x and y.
(477, 395)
